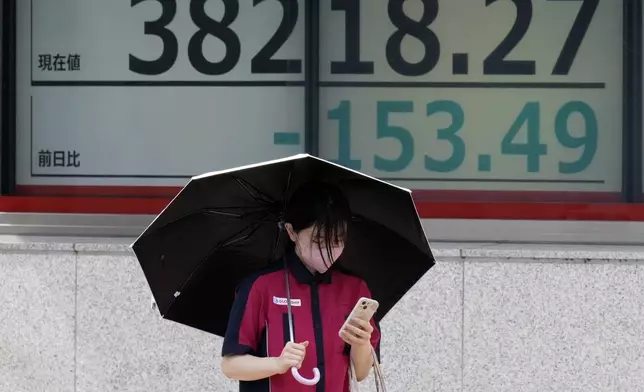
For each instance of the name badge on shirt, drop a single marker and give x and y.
(282, 301)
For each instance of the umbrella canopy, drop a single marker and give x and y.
(224, 226)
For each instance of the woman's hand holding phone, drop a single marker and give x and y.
(356, 332)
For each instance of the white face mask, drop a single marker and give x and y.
(310, 253)
(316, 258)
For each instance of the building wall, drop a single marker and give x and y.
(78, 317)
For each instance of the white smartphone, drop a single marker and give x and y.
(364, 309)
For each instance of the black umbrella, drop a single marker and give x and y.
(225, 225)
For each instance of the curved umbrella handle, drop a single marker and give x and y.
(306, 381)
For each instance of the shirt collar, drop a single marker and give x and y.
(302, 274)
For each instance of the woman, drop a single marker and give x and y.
(257, 350)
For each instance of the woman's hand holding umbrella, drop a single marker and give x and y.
(292, 356)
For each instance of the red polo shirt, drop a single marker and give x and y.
(258, 324)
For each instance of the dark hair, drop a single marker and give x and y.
(323, 206)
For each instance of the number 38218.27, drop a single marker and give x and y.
(405, 26)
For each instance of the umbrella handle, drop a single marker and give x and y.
(294, 371)
(306, 381)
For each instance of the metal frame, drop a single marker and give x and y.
(632, 102)
(8, 99)
(312, 76)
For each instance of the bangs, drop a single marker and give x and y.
(329, 233)
(333, 232)
(324, 208)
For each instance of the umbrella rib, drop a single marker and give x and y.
(231, 240)
(278, 235)
(236, 208)
(258, 196)
(223, 213)
(281, 227)
(206, 210)
(287, 187)
(262, 219)
(254, 226)
(228, 241)
(218, 211)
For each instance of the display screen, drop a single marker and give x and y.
(151, 92)
(464, 95)
(459, 96)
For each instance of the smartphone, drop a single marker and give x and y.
(364, 309)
